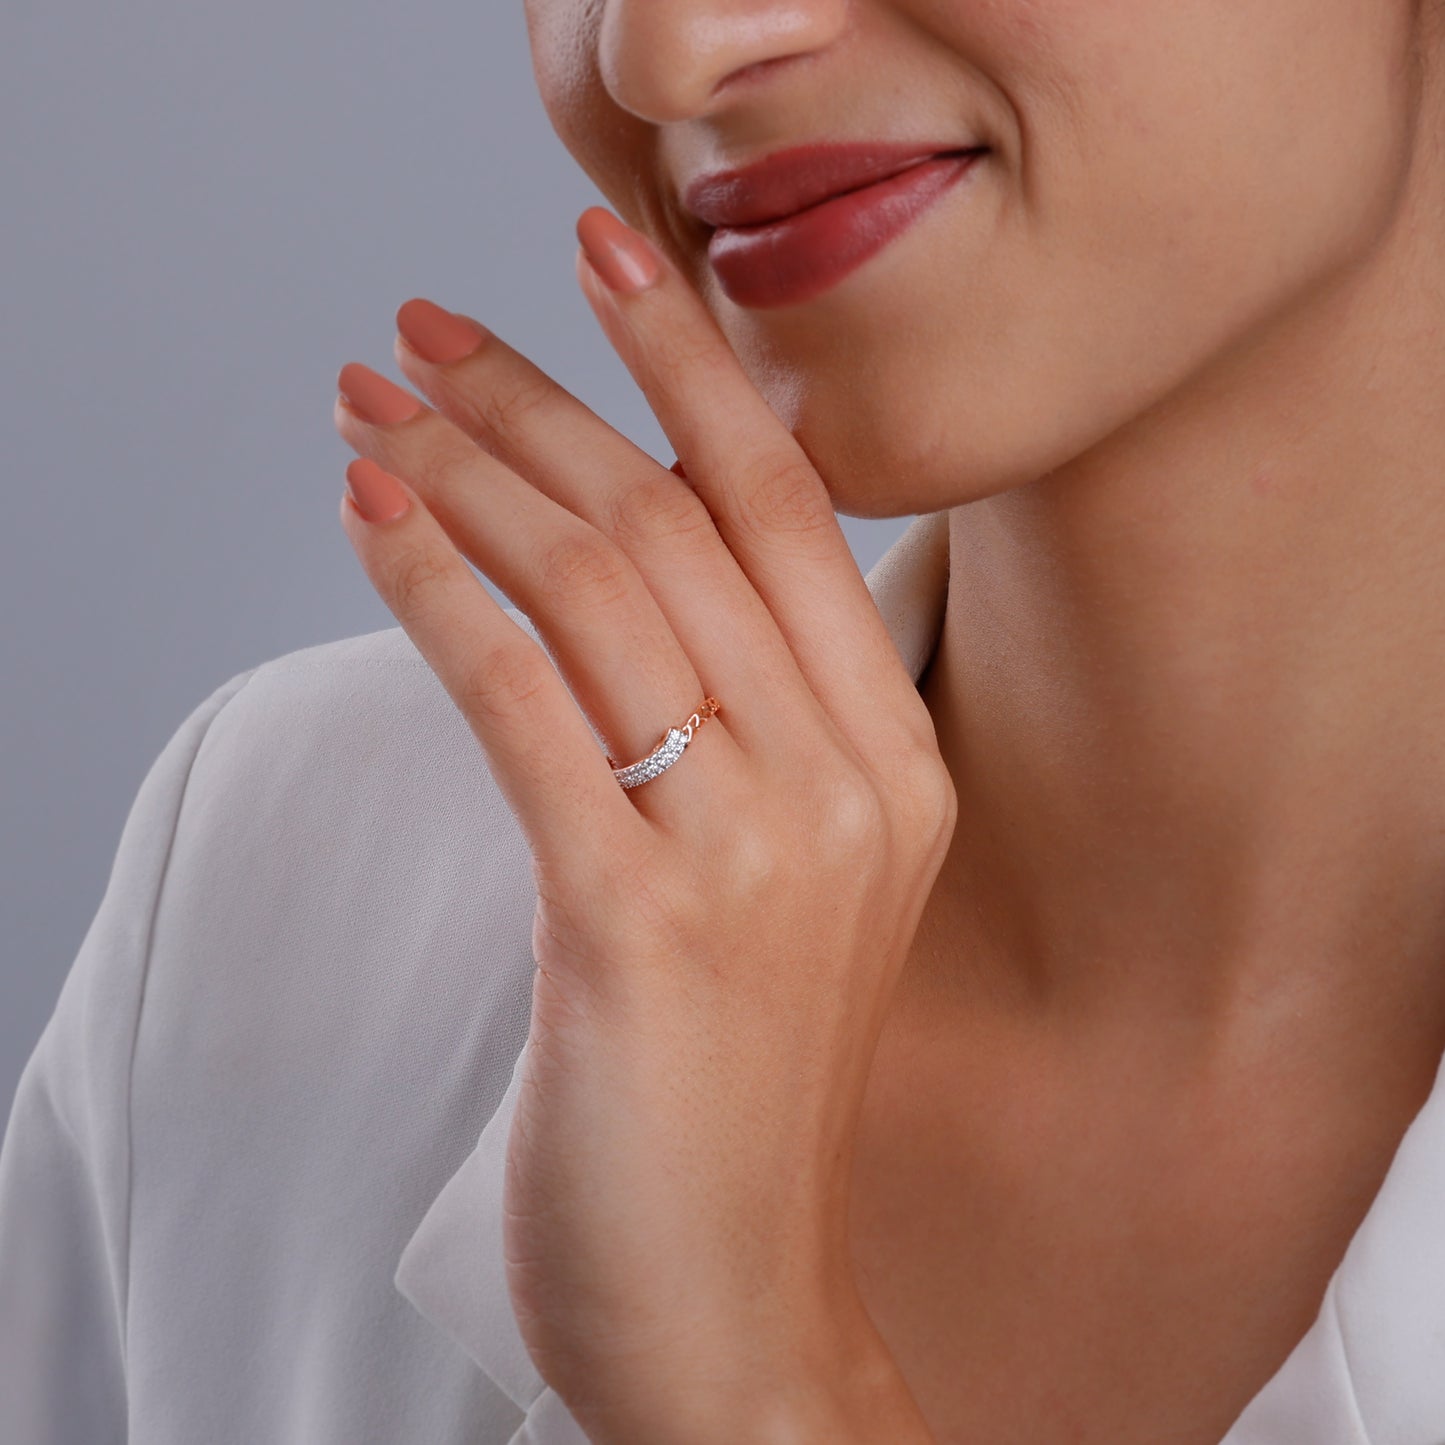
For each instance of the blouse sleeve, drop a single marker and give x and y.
(65, 1157)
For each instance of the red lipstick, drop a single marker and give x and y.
(795, 224)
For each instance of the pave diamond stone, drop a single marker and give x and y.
(659, 760)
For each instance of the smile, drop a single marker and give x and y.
(797, 257)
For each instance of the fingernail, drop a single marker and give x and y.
(437, 335)
(372, 397)
(623, 258)
(376, 494)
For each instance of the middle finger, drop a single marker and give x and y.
(519, 415)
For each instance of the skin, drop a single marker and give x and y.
(1180, 352)
(1180, 349)
(1171, 363)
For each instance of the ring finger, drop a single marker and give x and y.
(623, 664)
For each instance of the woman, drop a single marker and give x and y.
(1009, 1004)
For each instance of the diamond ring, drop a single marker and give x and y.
(667, 752)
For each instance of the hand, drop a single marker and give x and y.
(716, 948)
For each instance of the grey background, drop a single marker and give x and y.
(205, 210)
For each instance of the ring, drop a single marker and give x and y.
(667, 752)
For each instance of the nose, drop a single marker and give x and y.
(668, 60)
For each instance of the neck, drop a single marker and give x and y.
(1191, 687)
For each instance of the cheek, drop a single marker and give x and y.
(1165, 172)
(562, 36)
(614, 148)
(1163, 196)
(1135, 128)
(1260, 126)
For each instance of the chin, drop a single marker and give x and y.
(882, 414)
(884, 461)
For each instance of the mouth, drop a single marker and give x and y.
(860, 185)
(785, 215)
(795, 254)
(788, 182)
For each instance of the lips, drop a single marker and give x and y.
(805, 253)
(790, 181)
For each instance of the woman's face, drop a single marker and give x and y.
(1163, 181)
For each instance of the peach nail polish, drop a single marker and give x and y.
(376, 494)
(436, 335)
(372, 397)
(621, 256)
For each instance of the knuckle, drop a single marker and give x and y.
(929, 798)
(853, 819)
(503, 680)
(683, 350)
(654, 509)
(581, 562)
(754, 862)
(419, 578)
(509, 404)
(787, 496)
(445, 470)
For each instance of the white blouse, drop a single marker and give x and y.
(250, 1188)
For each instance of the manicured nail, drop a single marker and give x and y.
(437, 335)
(376, 494)
(623, 258)
(372, 397)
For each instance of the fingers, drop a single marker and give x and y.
(744, 560)
(769, 503)
(601, 625)
(520, 416)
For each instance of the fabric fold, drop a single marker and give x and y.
(453, 1268)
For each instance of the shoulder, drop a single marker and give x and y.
(334, 696)
(320, 846)
(340, 972)
(342, 771)
(349, 735)
(301, 998)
